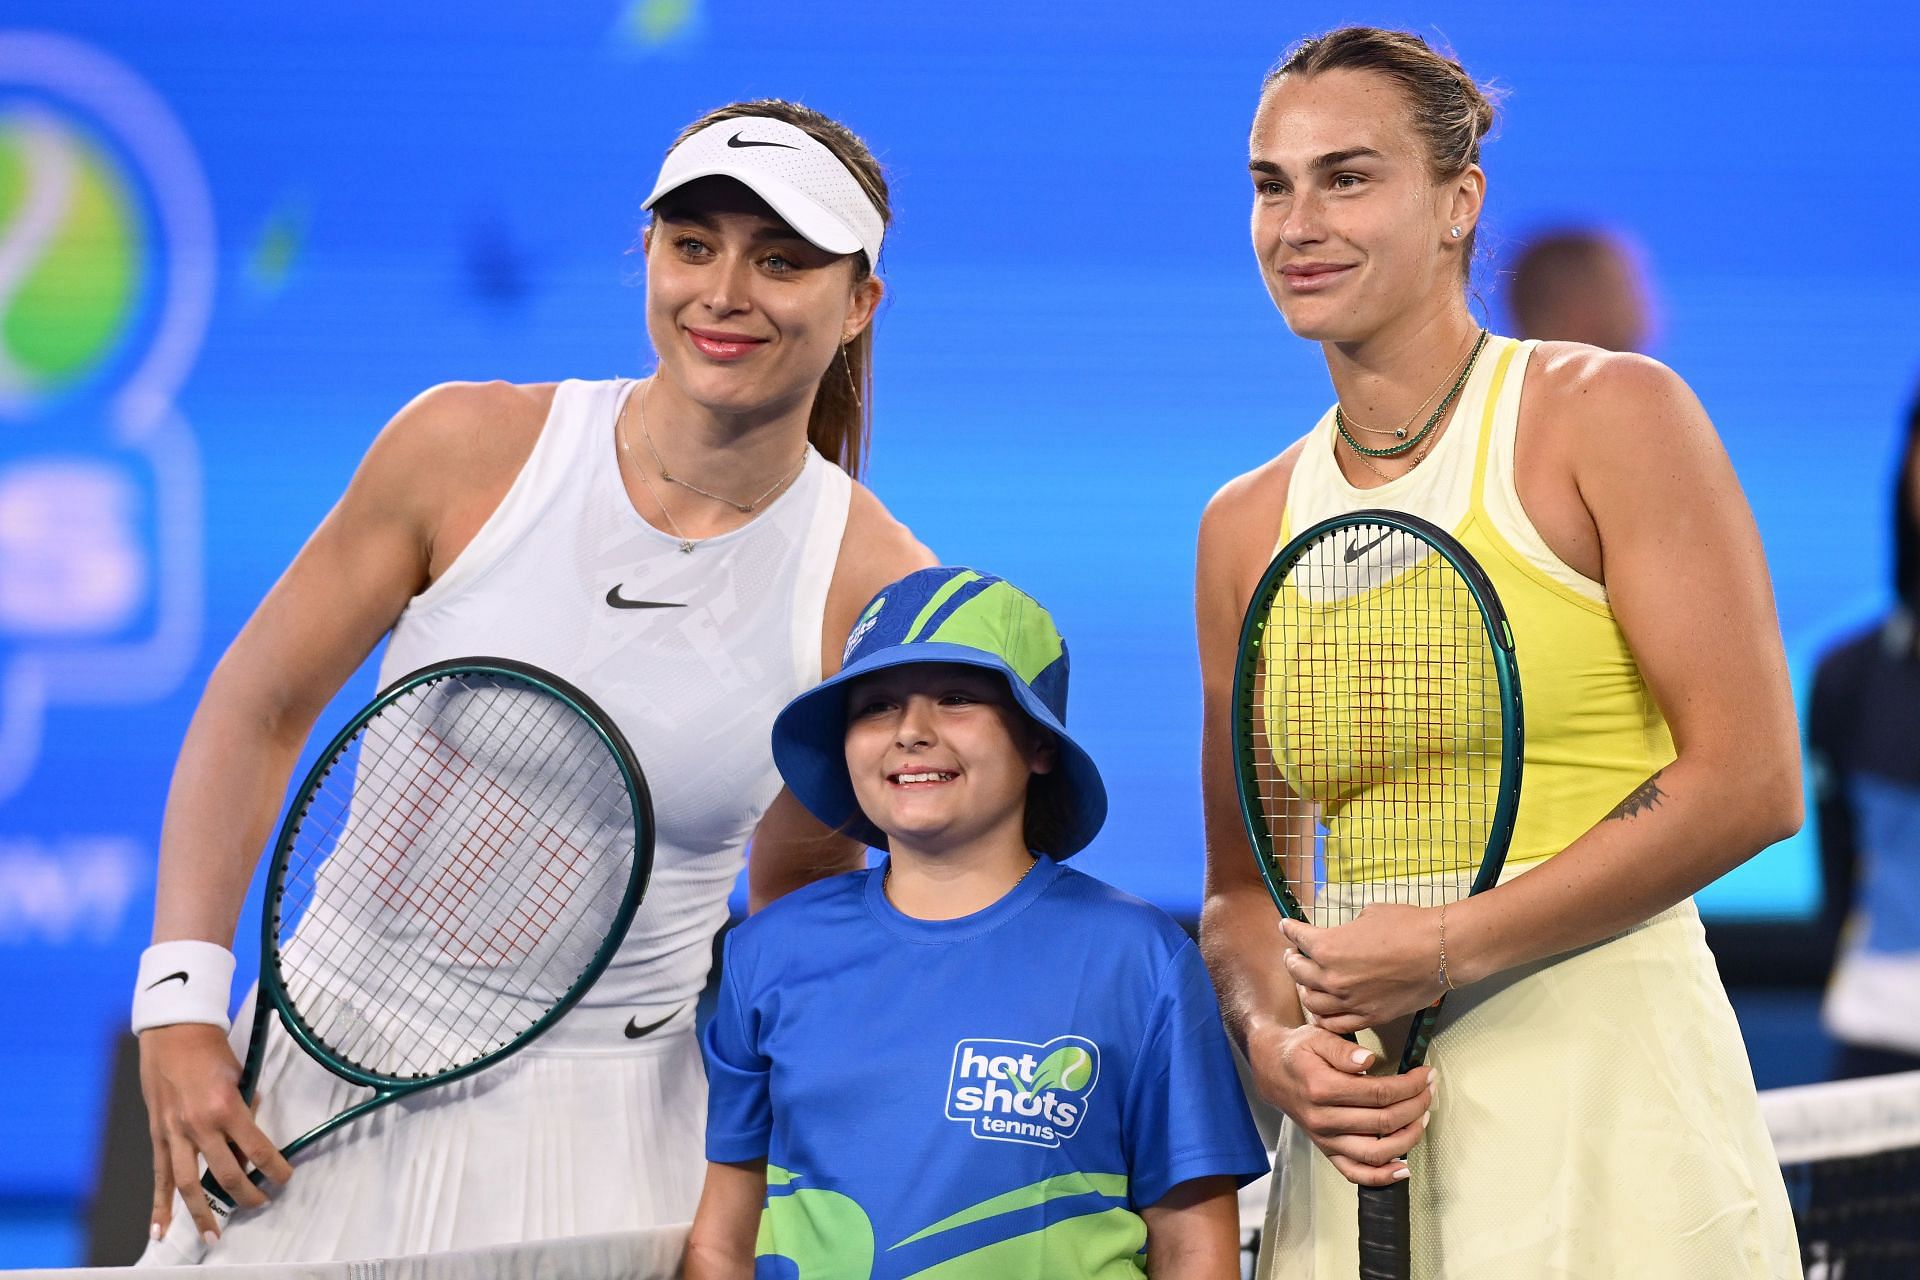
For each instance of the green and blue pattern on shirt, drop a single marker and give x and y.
(998, 1095)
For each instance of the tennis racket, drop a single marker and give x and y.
(455, 871)
(1376, 735)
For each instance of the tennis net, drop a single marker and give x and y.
(651, 1254)
(1850, 1154)
(1850, 1151)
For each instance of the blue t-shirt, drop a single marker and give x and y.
(992, 1096)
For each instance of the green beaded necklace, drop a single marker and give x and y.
(1440, 410)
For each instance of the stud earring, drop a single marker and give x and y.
(1456, 233)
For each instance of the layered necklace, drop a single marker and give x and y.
(1402, 444)
(744, 508)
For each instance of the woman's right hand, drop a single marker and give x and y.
(1364, 1124)
(435, 474)
(194, 1110)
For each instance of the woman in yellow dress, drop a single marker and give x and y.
(1598, 1114)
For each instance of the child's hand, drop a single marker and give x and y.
(1365, 1124)
(1382, 965)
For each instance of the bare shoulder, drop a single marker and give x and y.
(1242, 519)
(473, 423)
(1608, 398)
(877, 548)
(443, 463)
(1641, 452)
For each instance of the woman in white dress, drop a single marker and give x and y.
(526, 522)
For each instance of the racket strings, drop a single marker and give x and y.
(444, 901)
(457, 871)
(446, 898)
(1376, 724)
(468, 869)
(434, 905)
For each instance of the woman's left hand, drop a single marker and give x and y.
(1381, 965)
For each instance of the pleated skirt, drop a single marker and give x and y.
(547, 1143)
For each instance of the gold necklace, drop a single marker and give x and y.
(1400, 432)
(1426, 446)
(1439, 412)
(744, 508)
(1418, 458)
(626, 451)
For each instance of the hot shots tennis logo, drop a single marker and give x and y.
(1015, 1091)
(860, 628)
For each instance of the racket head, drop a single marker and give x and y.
(479, 783)
(1376, 703)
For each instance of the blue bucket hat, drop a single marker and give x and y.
(944, 615)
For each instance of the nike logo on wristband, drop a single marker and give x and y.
(634, 1033)
(182, 975)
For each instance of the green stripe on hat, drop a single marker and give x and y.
(940, 597)
(1003, 619)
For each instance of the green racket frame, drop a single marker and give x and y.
(1385, 1215)
(1492, 614)
(273, 999)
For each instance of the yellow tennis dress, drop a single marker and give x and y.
(1596, 1115)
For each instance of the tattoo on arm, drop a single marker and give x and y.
(1642, 798)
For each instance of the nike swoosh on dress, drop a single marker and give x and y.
(619, 601)
(634, 1033)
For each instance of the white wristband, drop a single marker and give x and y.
(184, 981)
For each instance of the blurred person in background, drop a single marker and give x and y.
(1581, 285)
(1863, 740)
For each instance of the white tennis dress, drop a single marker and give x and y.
(599, 1126)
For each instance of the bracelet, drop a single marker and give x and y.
(1443, 949)
(183, 981)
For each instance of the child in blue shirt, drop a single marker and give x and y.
(968, 1062)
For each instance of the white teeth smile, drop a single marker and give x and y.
(923, 777)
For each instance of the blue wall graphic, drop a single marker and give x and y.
(234, 240)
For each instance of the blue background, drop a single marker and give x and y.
(1076, 351)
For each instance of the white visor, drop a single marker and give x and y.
(788, 168)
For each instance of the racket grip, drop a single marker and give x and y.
(218, 1198)
(1385, 1248)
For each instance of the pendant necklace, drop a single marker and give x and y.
(744, 508)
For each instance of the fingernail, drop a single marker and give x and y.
(211, 1237)
(153, 1231)
(1401, 1172)
(1361, 1057)
(1433, 1077)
